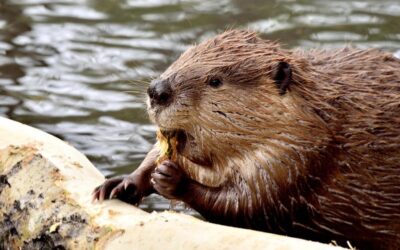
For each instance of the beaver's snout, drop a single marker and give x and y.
(160, 93)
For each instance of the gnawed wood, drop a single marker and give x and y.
(45, 203)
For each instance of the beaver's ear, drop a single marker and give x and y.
(283, 77)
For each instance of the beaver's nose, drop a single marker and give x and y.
(160, 92)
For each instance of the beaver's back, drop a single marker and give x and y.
(366, 84)
(362, 90)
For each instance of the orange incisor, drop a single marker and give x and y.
(168, 144)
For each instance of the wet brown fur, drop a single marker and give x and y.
(319, 162)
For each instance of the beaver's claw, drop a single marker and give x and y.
(124, 188)
(169, 180)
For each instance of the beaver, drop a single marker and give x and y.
(294, 142)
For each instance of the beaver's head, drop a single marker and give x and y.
(229, 92)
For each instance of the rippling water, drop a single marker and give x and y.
(78, 69)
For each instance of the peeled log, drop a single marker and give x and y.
(45, 203)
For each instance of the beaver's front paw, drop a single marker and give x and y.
(169, 180)
(131, 189)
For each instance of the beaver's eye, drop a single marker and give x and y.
(215, 82)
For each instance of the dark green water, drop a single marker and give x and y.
(78, 69)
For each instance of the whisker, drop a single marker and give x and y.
(133, 91)
(138, 82)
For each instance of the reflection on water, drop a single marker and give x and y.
(78, 68)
